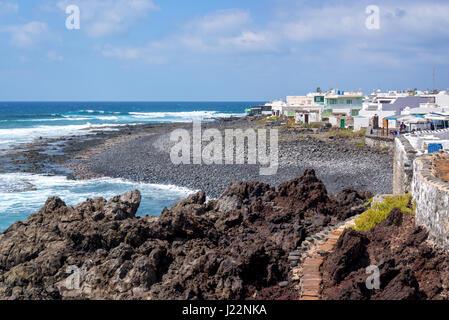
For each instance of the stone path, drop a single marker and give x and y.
(307, 259)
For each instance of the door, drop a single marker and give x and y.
(385, 127)
(342, 123)
(306, 119)
(375, 122)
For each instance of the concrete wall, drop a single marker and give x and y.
(432, 201)
(404, 155)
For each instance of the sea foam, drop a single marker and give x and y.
(25, 193)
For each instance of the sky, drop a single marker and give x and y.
(218, 50)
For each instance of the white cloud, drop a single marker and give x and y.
(343, 23)
(146, 54)
(412, 32)
(54, 56)
(217, 32)
(323, 23)
(223, 31)
(108, 17)
(27, 35)
(409, 32)
(122, 53)
(249, 40)
(7, 7)
(220, 21)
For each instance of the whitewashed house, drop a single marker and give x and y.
(277, 107)
(306, 109)
(361, 122)
(383, 105)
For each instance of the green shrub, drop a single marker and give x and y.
(267, 118)
(347, 133)
(360, 133)
(315, 125)
(360, 143)
(291, 123)
(380, 210)
(344, 133)
(368, 203)
(383, 149)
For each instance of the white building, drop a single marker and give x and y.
(306, 109)
(440, 100)
(277, 107)
(374, 105)
(343, 102)
(308, 115)
(361, 122)
(296, 101)
(393, 103)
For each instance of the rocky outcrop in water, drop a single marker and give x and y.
(235, 247)
(409, 267)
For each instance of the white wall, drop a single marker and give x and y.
(299, 101)
(347, 111)
(313, 117)
(361, 123)
(417, 140)
(392, 124)
(442, 100)
(422, 110)
(334, 121)
(380, 114)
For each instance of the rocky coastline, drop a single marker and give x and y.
(242, 245)
(410, 267)
(235, 247)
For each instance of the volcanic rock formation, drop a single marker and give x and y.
(235, 247)
(409, 266)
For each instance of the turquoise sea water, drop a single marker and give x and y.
(22, 122)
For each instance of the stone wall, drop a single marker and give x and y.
(432, 200)
(379, 142)
(420, 174)
(404, 155)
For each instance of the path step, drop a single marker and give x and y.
(312, 252)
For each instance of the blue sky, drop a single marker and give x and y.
(143, 50)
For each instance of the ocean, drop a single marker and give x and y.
(22, 122)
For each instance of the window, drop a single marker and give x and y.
(319, 99)
(332, 101)
(349, 101)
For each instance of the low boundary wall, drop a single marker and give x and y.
(404, 155)
(431, 196)
(379, 142)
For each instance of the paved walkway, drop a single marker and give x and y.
(307, 259)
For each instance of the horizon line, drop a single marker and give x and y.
(138, 101)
